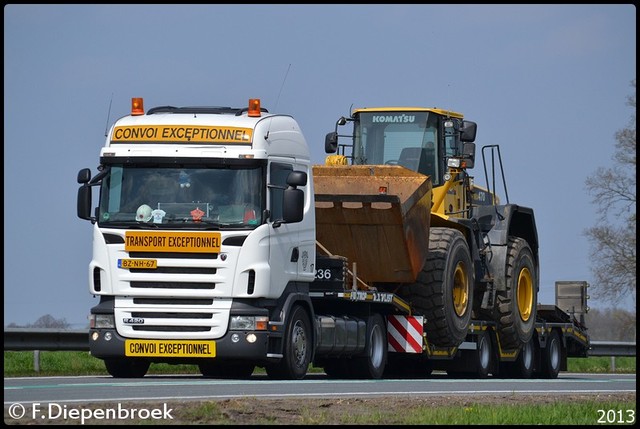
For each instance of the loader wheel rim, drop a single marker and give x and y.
(460, 289)
(525, 294)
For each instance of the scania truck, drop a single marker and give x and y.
(217, 243)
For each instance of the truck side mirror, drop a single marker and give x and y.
(84, 201)
(297, 178)
(293, 205)
(331, 142)
(293, 200)
(84, 175)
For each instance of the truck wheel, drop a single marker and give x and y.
(372, 364)
(551, 356)
(127, 367)
(443, 291)
(297, 348)
(483, 355)
(226, 370)
(517, 303)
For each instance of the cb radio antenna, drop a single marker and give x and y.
(106, 128)
(275, 109)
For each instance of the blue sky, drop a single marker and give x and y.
(548, 83)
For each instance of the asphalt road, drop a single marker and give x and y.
(166, 388)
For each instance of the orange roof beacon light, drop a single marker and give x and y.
(254, 108)
(137, 106)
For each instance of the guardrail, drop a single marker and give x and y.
(20, 339)
(51, 339)
(612, 348)
(17, 339)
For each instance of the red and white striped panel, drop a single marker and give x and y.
(404, 334)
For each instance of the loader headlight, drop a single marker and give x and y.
(453, 162)
(249, 323)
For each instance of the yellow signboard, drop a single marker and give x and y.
(181, 134)
(170, 348)
(166, 241)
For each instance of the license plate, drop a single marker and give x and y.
(170, 348)
(138, 263)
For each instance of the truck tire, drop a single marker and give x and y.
(517, 303)
(443, 291)
(226, 370)
(127, 367)
(551, 356)
(297, 348)
(371, 365)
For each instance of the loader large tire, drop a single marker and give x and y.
(517, 304)
(443, 291)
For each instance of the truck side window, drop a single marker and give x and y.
(278, 182)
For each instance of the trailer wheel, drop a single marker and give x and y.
(443, 291)
(127, 367)
(227, 370)
(517, 303)
(523, 365)
(551, 356)
(374, 360)
(484, 355)
(296, 350)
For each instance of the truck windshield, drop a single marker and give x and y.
(185, 195)
(405, 138)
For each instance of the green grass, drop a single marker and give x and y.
(357, 412)
(595, 364)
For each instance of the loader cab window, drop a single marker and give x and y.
(408, 139)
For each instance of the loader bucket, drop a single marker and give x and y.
(375, 216)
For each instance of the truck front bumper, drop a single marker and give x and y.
(108, 344)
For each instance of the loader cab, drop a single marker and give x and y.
(420, 139)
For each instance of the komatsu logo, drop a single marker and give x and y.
(390, 119)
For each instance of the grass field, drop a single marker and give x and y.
(401, 410)
(82, 363)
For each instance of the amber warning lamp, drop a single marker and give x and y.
(254, 108)
(137, 107)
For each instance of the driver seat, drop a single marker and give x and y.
(417, 159)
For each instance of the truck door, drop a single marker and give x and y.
(283, 238)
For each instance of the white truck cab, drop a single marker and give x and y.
(203, 238)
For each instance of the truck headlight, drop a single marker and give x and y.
(101, 321)
(249, 323)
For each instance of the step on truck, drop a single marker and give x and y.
(217, 243)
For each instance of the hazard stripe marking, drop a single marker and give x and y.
(404, 334)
